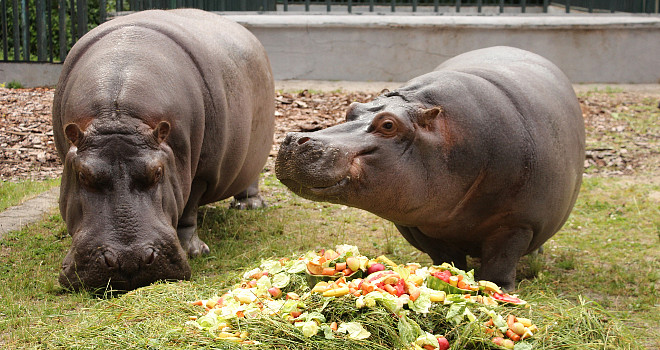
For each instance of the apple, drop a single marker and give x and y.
(443, 343)
(375, 267)
(353, 263)
(275, 292)
(518, 328)
(508, 343)
(498, 341)
(292, 296)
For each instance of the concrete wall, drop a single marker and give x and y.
(30, 74)
(589, 48)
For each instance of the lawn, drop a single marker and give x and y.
(596, 286)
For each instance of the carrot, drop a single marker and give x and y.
(328, 271)
(198, 303)
(390, 289)
(429, 347)
(513, 336)
(462, 284)
(340, 266)
(333, 326)
(414, 293)
(510, 320)
(489, 323)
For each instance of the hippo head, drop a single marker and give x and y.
(374, 161)
(120, 199)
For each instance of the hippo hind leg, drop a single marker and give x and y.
(187, 227)
(249, 199)
(438, 250)
(500, 254)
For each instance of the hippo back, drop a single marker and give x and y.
(521, 112)
(185, 51)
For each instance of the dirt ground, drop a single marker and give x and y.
(27, 150)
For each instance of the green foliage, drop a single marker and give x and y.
(14, 84)
(52, 32)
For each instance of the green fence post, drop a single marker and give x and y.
(49, 31)
(72, 20)
(40, 18)
(25, 18)
(17, 38)
(82, 18)
(62, 29)
(5, 42)
(103, 12)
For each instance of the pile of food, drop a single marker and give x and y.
(336, 293)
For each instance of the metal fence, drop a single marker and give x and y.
(45, 30)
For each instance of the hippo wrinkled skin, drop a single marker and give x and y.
(481, 157)
(156, 113)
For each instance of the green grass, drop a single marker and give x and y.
(596, 286)
(599, 271)
(14, 193)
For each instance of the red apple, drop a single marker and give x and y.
(275, 292)
(443, 343)
(375, 267)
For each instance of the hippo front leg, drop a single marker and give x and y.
(500, 254)
(439, 251)
(187, 227)
(249, 199)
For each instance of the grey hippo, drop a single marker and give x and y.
(155, 114)
(481, 157)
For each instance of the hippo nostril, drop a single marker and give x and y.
(110, 259)
(303, 140)
(150, 257)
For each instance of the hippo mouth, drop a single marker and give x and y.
(330, 188)
(317, 192)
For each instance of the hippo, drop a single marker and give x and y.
(155, 114)
(481, 157)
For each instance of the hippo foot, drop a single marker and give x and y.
(197, 247)
(247, 203)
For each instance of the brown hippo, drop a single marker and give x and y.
(481, 157)
(156, 113)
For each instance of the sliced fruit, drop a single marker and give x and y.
(506, 298)
(438, 284)
(313, 279)
(490, 287)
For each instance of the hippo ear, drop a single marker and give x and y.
(428, 117)
(353, 111)
(73, 133)
(161, 131)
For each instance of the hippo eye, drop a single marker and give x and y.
(158, 174)
(387, 127)
(82, 178)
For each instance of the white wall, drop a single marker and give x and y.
(589, 48)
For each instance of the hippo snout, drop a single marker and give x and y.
(128, 264)
(122, 269)
(309, 161)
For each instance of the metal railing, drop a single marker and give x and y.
(45, 30)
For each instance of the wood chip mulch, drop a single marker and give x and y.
(27, 150)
